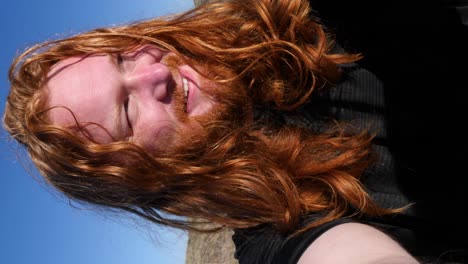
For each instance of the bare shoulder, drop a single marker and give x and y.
(356, 243)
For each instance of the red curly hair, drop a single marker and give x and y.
(241, 173)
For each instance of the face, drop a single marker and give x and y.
(145, 96)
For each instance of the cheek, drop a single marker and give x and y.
(191, 140)
(98, 133)
(156, 138)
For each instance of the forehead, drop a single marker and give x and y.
(73, 80)
(82, 86)
(69, 67)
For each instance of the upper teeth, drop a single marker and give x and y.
(185, 85)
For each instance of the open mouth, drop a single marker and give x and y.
(189, 93)
(186, 89)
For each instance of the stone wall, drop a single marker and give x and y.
(210, 248)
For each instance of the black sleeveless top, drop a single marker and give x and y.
(262, 245)
(410, 89)
(358, 99)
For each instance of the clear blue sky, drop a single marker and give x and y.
(38, 226)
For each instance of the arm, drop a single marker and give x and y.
(356, 243)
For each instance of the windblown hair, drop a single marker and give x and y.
(272, 53)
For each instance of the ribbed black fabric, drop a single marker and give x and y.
(359, 99)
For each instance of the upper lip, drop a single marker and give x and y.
(184, 74)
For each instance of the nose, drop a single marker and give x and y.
(149, 77)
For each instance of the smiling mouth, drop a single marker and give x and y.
(185, 86)
(186, 89)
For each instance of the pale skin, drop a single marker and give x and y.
(134, 97)
(354, 243)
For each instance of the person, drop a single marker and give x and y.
(246, 114)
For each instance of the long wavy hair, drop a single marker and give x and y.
(241, 173)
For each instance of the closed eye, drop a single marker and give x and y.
(119, 62)
(125, 104)
(119, 59)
